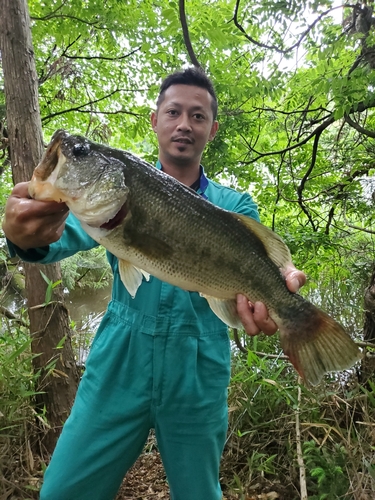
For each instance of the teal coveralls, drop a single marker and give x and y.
(160, 360)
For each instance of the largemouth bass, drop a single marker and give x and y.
(154, 225)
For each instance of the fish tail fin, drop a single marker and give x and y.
(322, 347)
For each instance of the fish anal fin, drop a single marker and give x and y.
(275, 247)
(326, 348)
(131, 276)
(145, 274)
(226, 310)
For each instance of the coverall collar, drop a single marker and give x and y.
(203, 181)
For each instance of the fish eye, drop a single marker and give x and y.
(81, 149)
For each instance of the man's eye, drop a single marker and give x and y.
(172, 112)
(198, 116)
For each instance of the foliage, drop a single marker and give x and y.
(327, 467)
(86, 269)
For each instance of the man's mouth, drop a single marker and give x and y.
(182, 140)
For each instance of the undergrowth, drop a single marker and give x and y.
(337, 426)
(19, 478)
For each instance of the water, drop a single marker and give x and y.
(86, 308)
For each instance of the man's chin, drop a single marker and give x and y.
(181, 157)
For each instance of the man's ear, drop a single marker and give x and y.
(214, 129)
(154, 120)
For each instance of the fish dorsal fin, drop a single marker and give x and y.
(131, 276)
(226, 310)
(275, 247)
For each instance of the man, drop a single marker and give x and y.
(160, 360)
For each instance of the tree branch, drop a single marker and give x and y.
(8, 314)
(356, 126)
(95, 24)
(275, 47)
(313, 160)
(306, 176)
(315, 132)
(185, 32)
(81, 110)
(102, 58)
(360, 107)
(51, 14)
(353, 226)
(288, 113)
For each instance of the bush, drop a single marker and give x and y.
(17, 415)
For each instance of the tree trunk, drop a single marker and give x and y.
(368, 363)
(49, 324)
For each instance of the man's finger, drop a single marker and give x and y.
(294, 278)
(244, 309)
(263, 320)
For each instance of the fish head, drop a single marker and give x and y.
(82, 174)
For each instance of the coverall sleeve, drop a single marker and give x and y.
(73, 240)
(246, 206)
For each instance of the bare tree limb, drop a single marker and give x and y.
(103, 58)
(95, 24)
(353, 226)
(306, 176)
(360, 107)
(185, 32)
(315, 132)
(81, 109)
(8, 314)
(288, 113)
(238, 341)
(331, 213)
(53, 68)
(313, 160)
(275, 47)
(361, 130)
(51, 14)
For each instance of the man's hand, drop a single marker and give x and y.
(255, 317)
(30, 223)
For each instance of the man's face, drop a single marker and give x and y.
(184, 124)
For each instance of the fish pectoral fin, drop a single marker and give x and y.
(319, 349)
(131, 276)
(275, 247)
(226, 310)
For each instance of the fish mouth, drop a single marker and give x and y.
(41, 185)
(117, 219)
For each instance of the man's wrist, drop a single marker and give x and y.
(30, 255)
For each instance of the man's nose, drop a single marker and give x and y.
(184, 123)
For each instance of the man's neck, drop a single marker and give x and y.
(186, 174)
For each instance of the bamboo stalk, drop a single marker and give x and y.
(300, 461)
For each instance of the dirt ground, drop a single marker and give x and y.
(147, 481)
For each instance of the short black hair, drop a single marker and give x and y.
(190, 76)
